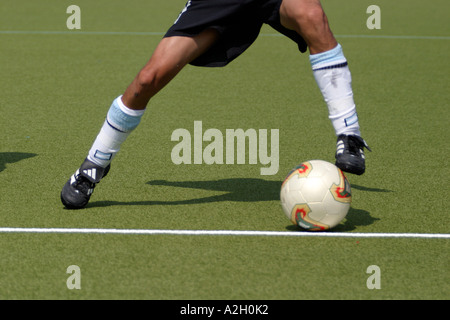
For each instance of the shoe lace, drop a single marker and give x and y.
(83, 184)
(355, 144)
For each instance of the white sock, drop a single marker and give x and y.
(333, 77)
(119, 123)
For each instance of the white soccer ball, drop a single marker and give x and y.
(316, 195)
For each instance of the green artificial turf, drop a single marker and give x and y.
(57, 85)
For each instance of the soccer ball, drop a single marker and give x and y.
(316, 195)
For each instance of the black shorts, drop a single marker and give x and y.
(238, 22)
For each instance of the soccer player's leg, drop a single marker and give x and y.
(126, 111)
(171, 55)
(333, 77)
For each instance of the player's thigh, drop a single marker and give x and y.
(173, 53)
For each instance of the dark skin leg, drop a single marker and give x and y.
(171, 55)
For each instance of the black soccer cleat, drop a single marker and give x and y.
(78, 189)
(350, 154)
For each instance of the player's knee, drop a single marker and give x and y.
(146, 78)
(150, 79)
(299, 17)
(155, 75)
(314, 16)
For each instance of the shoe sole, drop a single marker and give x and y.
(351, 167)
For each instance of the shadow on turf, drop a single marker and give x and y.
(245, 190)
(355, 218)
(239, 189)
(13, 157)
(362, 188)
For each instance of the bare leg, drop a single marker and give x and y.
(308, 19)
(171, 55)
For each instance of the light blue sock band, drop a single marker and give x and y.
(120, 120)
(327, 58)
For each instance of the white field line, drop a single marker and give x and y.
(224, 233)
(134, 33)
